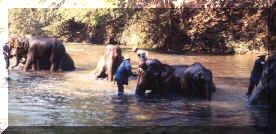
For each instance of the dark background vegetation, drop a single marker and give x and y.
(214, 26)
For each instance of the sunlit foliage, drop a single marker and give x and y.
(172, 26)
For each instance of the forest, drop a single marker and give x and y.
(195, 26)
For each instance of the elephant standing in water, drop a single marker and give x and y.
(189, 81)
(265, 92)
(109, 62)
(42, 53)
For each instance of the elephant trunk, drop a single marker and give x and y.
(210, 88)
(140, 82)
(253, 99)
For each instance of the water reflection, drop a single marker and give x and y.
(73, 98)
(121, 111)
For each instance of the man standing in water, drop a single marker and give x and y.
(256, 73)
(6, 53)
(122, 74)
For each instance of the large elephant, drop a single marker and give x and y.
(43, 53)
(109, 62)
(265, 92)
(190, 81)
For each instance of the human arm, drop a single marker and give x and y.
(128, 68)
(6, 53)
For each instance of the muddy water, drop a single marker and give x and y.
(74, 98)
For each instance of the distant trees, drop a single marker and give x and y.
(211, 30)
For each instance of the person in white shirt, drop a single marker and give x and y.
(141, 54)
(142, 57)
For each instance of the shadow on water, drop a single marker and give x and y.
(74, 99)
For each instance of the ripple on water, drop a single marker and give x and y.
(73, 98)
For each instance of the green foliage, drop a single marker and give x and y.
(178, 29)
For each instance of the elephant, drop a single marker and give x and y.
(43, 53)
(265, 91)
(109, 62)
(21, 49)
(189, 81)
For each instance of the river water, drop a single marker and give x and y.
(74, 98)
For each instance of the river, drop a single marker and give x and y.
(75, 99)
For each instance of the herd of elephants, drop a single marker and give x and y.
(187, 80)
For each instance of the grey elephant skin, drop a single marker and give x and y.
(42, 53)
(265, 93)
(108, 63)
(189, 81)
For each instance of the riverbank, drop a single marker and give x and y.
(236, 51)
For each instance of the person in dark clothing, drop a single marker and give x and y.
(6, 53)
(122, 74)
(256, 73)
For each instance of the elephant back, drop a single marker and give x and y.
(198, 81)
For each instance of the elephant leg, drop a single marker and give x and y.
(16, 62)
(33, 67)
(53, 65)
(254, 98)
(58, 63)
(213, 87)
(28, 62)
(52, 68)
(100, 68)
(160, 87)
(251, 87)
(109, 72)
(100, 71)
(208, 92)
(34, 64)
(140, 91)
(37, 65)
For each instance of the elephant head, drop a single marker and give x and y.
(153, 76)
(108, 63)
(199, 80)
(20, 46)
(190, 81)
(265, 91)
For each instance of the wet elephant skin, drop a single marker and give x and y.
(190, 81)
(43, 53)
(109, 62)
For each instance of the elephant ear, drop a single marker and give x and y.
(26, 45)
